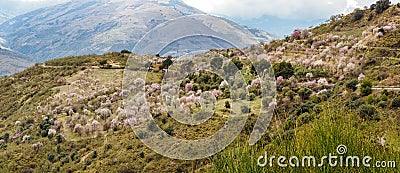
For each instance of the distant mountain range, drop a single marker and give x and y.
(91, 27)
(5, 16)
(12, 62)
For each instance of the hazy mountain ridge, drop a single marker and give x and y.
(12, 62)
(90, 27)
(76, 28)
(4, 16)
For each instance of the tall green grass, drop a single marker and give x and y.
(333, 127)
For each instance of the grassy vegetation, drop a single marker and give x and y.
(331, 128)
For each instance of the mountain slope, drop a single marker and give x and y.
(90, 27)
(82, 27)
(11, 62)
(4, 16)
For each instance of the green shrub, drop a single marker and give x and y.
(290, 124)
(245, 109)
(305, 93)
(51, 157)
(238, 64)
(368, 112)
(384, 97)
(227, 105)
(358, 15)
(216, 63)
(382, 5)
(170, 130)
(305, 118)
(284, 69)
(370, 99)
(252, 96)
(382, 104)
(396, 102)
(366, 87)
(94, 154)
(305, 107)
(356, 103)
(352, 84)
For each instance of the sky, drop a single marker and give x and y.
(279, 17)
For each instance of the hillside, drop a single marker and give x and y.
(4, 16)
(11, 62)
(338, 84)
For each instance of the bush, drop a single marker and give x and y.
(216, 63)
(166, 63)
(381, 6)
(290, 124)
(305, 118)
(94, 154)
(370, 99)
(305, 93)
(382, 104)
(358, 15)
(169, 130)
(305, 107)
(368, 112)
(384, 97)
(227, 105)
(366, 87)
(283, 69)
(352, 84)
(396, 102)
(126, 51)
(245, 109)
(51, 157)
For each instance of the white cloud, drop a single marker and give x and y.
(287, 9)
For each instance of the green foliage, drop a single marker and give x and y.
(370, 99)
(368, 112)
(284, 69)
(216, 63)
(384, 97)
(103, 62)
(301, 72)
(126, 51)
(358, 14)
(51, 157)
(59, 138)
(305, 93)
(321, 136)
(169, 130)
(305, 107)
(396, 102)
(167, 62)
(352, 84)
(245, 109)
(290, 124)
(94, 154)
(382, 104)
(366, 87)
(382, 5)
(227, 105)
(305, 118)
(239, 64)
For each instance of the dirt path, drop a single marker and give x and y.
(389, 88)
